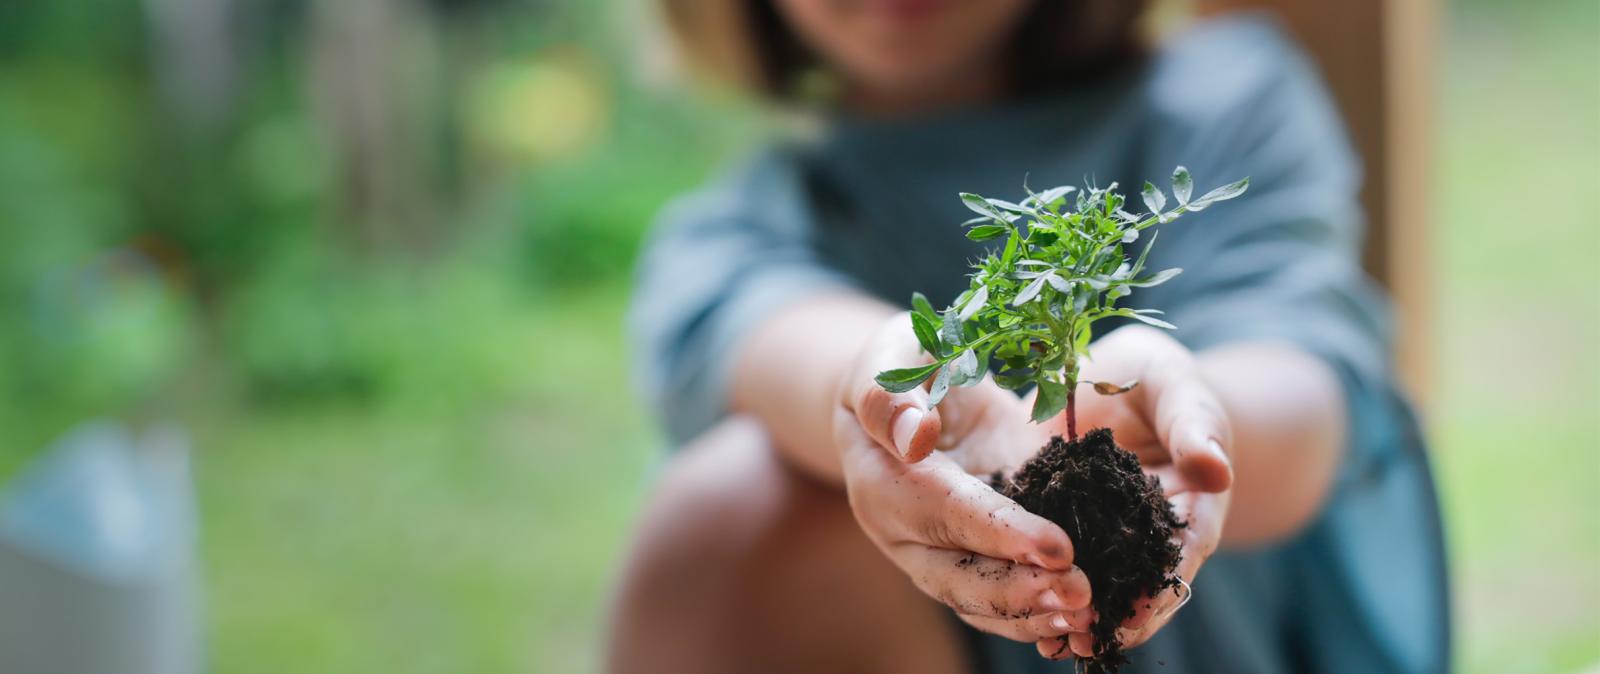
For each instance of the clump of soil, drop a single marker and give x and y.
(1120, 524)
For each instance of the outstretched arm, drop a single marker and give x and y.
(1288, 419)
(789, 371)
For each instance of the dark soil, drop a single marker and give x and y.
(1120, 524)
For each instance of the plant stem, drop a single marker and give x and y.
(1070, 374)
(1072, 414)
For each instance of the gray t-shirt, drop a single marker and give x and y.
(872, 206)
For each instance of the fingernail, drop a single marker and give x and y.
(1055, 557)
(1127, 636)
(1059, 622)
(1075, 584)
(1216, 448)
(1038, 561)
(905, 428)
(1050, 601)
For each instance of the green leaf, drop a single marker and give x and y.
(1138, 265)
(941, 386)
(921, 305)
(1027, 373)
(1148, 317)
(1064, 269)
(1159, 278)
(1004, 205)
(1051, 400)
(1049, 197)
(1056, 361)
(906, 378)
(1223, 193)
(1182, 185)
(1081, 294)
(1030, 291)
(1153, 198)
(1012, 383)
(974, 303)
(985, 355)
(966, 370)
(980, 205)
(986, 232)
(950, 333)
(927, 332)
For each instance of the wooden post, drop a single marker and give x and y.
(1377, 57)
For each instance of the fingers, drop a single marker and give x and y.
(1081, 644)
(1172, 407)
(1034, 628)
(1055, 648)
(937, 504)
(1152, 616)
(902, 423)
(1204, 514)
(977, 518)
(1191, 423)
(975, 585)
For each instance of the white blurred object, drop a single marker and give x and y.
(97, 557)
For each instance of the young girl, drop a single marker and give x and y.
(814, 522)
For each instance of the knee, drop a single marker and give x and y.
(742, 564)
(720, 500)
(724, 520)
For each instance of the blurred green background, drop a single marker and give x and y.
(374, 256)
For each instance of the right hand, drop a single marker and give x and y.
(1002, 569)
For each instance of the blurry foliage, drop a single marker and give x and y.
(135, 247)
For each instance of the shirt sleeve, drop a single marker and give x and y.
(716, 263)
(1282, 262)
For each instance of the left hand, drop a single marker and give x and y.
(1177, 427)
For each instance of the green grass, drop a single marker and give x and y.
(1514, 423)
(411, 537)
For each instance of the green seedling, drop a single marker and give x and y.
(1033, 302)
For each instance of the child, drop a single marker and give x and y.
(814, 522)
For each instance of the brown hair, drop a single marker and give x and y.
(746, 42)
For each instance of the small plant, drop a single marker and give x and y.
(1032, 306)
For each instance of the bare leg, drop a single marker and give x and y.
(740, 564)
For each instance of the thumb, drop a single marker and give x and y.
(902, 423)
(1194, 429)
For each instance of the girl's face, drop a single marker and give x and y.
(908, 50)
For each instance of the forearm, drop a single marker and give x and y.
(787, 373)
(1288, 419)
